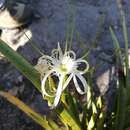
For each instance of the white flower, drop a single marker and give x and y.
(64, 65)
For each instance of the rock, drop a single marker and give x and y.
(91, 21)
(15, 13)
(40, 105)
(52, 27)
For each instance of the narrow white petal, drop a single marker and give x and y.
(71, 54)
(60, 51)
(77, 85)
(83, 81)
(49, 59)
(57, 53)
(58, 92)
(54, 53)
(67, 81)
(79, 61)
(43, 84)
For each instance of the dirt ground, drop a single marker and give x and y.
(92, 19)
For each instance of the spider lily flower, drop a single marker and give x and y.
(64, 66)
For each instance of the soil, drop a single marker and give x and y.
(92, 19)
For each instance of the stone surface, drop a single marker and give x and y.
(91, 20)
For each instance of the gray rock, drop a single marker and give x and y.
(86, 17)
(128, 128)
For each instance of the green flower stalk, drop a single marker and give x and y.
(66, 67)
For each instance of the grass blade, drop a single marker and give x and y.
(68, 119)
(116, 45)
(21, 64)
(31, 113)
(121, 105)
(28, 70)
(126, 56)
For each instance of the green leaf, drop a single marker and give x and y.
(126, 56)
(121, 99)
(121, 105)
(116, 45)
(72, 105)
(53, 124)
(91, 123)
(41, 120)
(101, 120)
(32, 74)
(99, 102)
(67, 117)
(94, 109)
(21, 64)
